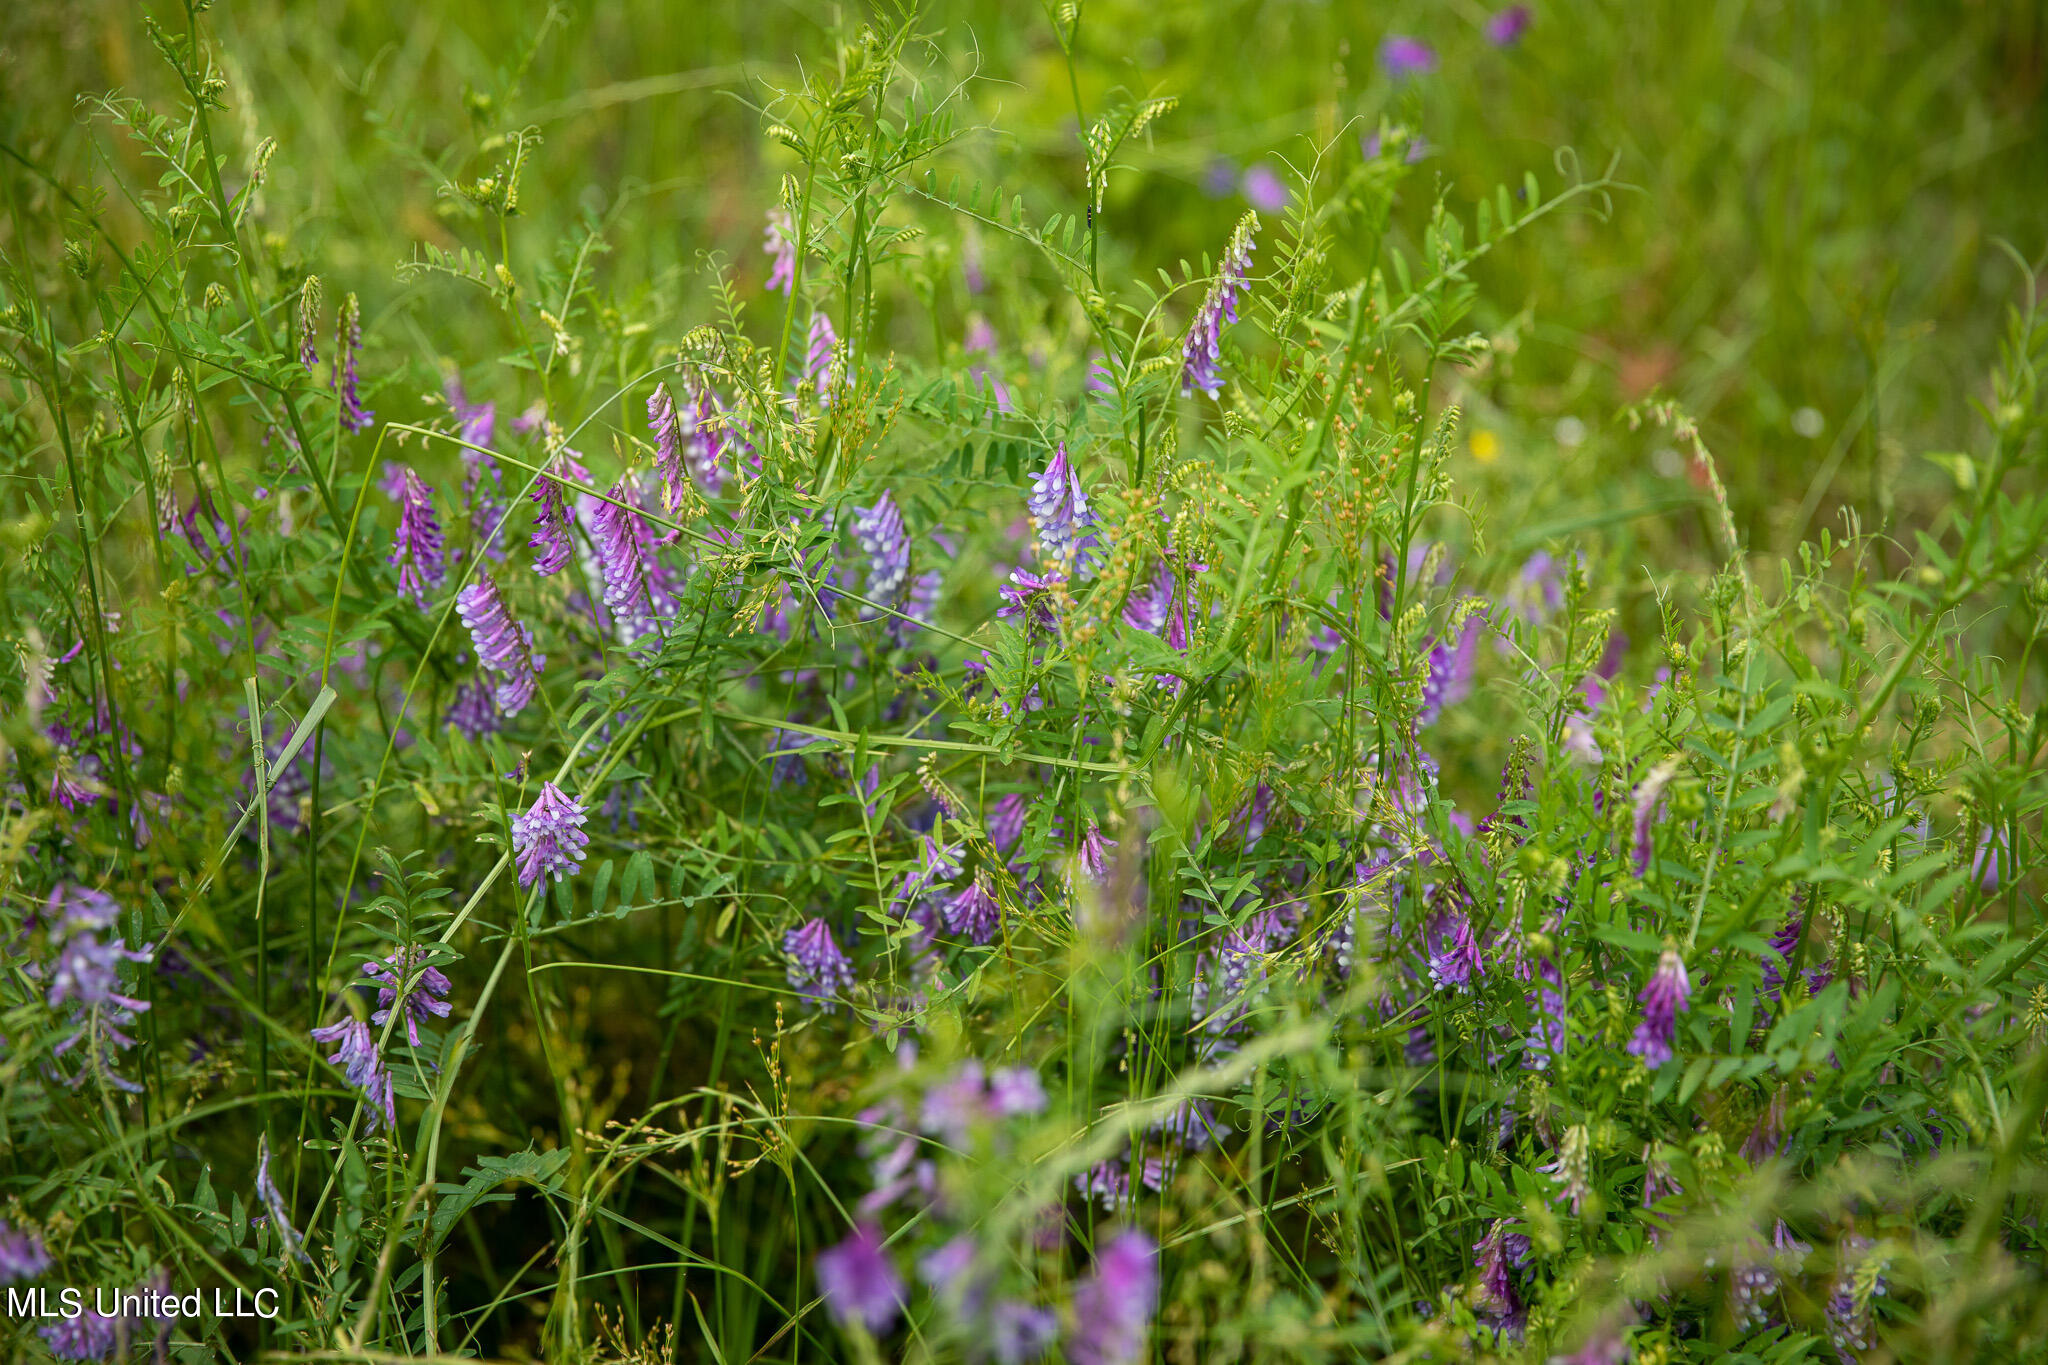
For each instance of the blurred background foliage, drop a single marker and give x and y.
(1809, 266)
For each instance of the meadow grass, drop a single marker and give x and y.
(1092, 683)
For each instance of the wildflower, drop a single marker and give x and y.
(425, 990)
(1663, 1000)
(476, 423)
(550, 543)
(1148, 608)
(1095, 854)
(973, 913)
(1450, 673)
(348, 342)
(87, 970)
(1113, 1306)
(920, 605)
(1031, 596)
(503, 646)
(1403, 56)
(1059, 509)
(778, 241)
(668, 445)
(621, 557)
(22, 1256)
(549, 837)
(356, 1054)
(1506, 28)
(1006, 822)
(1572, 1167)
(1451, 951)
(1200, 353)
(1494, 1255)
(1547, 1034)
(474, 710)
(1016, 1090)
(309, 318)
(91, 1335)
(817, 967)
(418, 551)
(821, 351)
(1859, 1278)
(1263, 189)
(859, 1281)
(1107, 1182)
(273, 1204)
(879, 529)
(1648, 794)
(1020, 1332)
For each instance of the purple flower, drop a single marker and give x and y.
(348, 342)
(1147, 608)
(821, 351)
(1020, 1332)
(1506, 28)
(1647, 797)
(476, 423)
(549, 838)
(621, 537)
(1015, 1090)
(1113, 1306)
(474, 710)
(668, 446)
(1403, 56)
(920, 605)
(1263, 189)
(1030, 596)
(422, 563)
(1850, 1327)
(1993, 852)
(973, 913)
(1095, 851)
(1450, 948)
(1059, 509)
(356, 1054)
(22, 1256)
(1664, 999)
(503, 646)
(1006, 822)
(551, 545)
(859, 1281)
(1219, 178)
(1200, 352)
(309, 322)
(778, 241)
(425, 989)
(87, 970)
(816, 965)
(1450, 673)
(90, 1335)
(273, 1204)
(879, 530)
(1494, 1254)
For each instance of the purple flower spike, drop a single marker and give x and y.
(1403, 56)
(90, 1335)
(816, 965)
(879, 529)
(1664, 999)
(1059, 509)
(477, 423)
(1016, 1090)
(1452, 951)
(1451, 666)
(859, 1281)
(1030, 596)
(821, 352)
(1020, 1332)
(668, 446)
(1006, 822)
(549, 839)
(778, 241)
(552, 548)
(1148, 608)
(1095, 851)
(1201, 353)
(425, 990)
(617, 528)
(348, 342)
(973, 913)
(1113, 1306)
(1647, 797)
(273, 1205)
(418, 552)
(1506, 28)
(1263, 188)
(356, 1054)
(22, 1256)
(502, 645)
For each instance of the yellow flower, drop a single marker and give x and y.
(1485, 446)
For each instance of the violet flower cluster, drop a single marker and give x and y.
(1201, 352)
